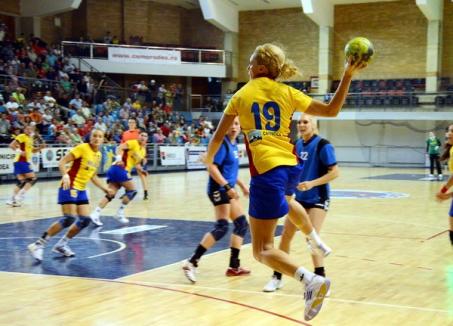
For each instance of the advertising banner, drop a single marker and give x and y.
(134, 55)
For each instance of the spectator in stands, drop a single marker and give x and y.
(115, 40)
(76, 103)
(159, 137)
(107, 38)
(5, 137)
(78, 118)
(100, 124)
(19, 96)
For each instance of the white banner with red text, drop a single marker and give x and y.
(134, 55)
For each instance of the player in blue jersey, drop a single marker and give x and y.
(317, 156)
(223, 176)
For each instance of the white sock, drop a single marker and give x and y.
(304, 275)
(63, 241)
(21, 193)
(122, 207)
(98, 209)
(315, 237)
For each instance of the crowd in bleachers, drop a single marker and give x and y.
(39, 85)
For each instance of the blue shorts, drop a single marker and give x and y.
(268, 191)
(117, 174)
(451, 209)
(22, 168)
(72, 196)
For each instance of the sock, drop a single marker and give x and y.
(20, 193)
(197, 255)
(234, 258)
(98, 209)
(451, 236)
(303, 275)
(122, 207)
(45, 236)
(320, 271)
(63, 241)
(278, 275)
(315, 237)
(145, 193)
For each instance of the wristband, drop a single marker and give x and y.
(227, 187)
(18, 150)
(444, 189)
(66, 177)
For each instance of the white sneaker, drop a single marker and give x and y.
(314, 295)
(440, 177)
(273, 285)
(189, 271)
(13, 203)
(37, 249)
(96, 218)
(121, 217)
(431, 177)
(63, 249)
(321, 249)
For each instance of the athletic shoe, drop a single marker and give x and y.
(273, 285)
(237, 271)
(189, 271)
(13, 203)
(314, 295)
(440, 177)
(96, 218)
(145, 195)
(37, 249)
(64, 250)
(431, 177)
(322, 249)
(121, 217)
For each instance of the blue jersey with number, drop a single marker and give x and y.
(316, 156)
(227, 161)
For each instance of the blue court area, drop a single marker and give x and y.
(402, 177)
(109, 252)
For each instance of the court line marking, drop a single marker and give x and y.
(435, 235)
(179, 291)
(122, 245)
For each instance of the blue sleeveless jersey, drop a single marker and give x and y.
(316, 162)
(227, 160)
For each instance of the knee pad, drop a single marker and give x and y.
(66, 221)
(109, 198)
(241, 226)
(20, 184)
(31, 181)
(220, 229)
(130, 194)
(83, 222)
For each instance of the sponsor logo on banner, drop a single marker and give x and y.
(172, 155)
(135, 55)
(51, 156)
(193, 157)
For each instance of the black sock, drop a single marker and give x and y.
(320, 271)
(278, 275)
(197, 255)
(145, 193)
(451, 237)
(234, 258)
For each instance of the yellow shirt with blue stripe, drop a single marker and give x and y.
(265, 108)
(450, 161)
(26, 145)
(133, 155)
(85, 165)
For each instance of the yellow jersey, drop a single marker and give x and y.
(84, 166)
(450, 161)
(133, 155)
(26, 145)
(265, 109)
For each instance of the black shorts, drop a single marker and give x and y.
(219, 198)
(322, 205)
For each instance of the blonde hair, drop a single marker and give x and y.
(313, 121)
(274, 59)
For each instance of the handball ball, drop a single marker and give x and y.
(360, 49)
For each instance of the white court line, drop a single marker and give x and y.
(214, 289)
(122, 245)
(170, 285)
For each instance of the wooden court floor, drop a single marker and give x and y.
(392, 264)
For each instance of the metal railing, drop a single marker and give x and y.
(188, 55)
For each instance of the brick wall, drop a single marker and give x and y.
(287, 27)
(102, 16)
(197, 32)
(11, 7)
(447, 58)
(398, 31)
(55, 34)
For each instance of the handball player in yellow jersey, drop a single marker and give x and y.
(265, 108)
(26, 177)
(84, 160)
(129, 155)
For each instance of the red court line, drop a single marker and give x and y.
(212, 298)
(436, 235)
